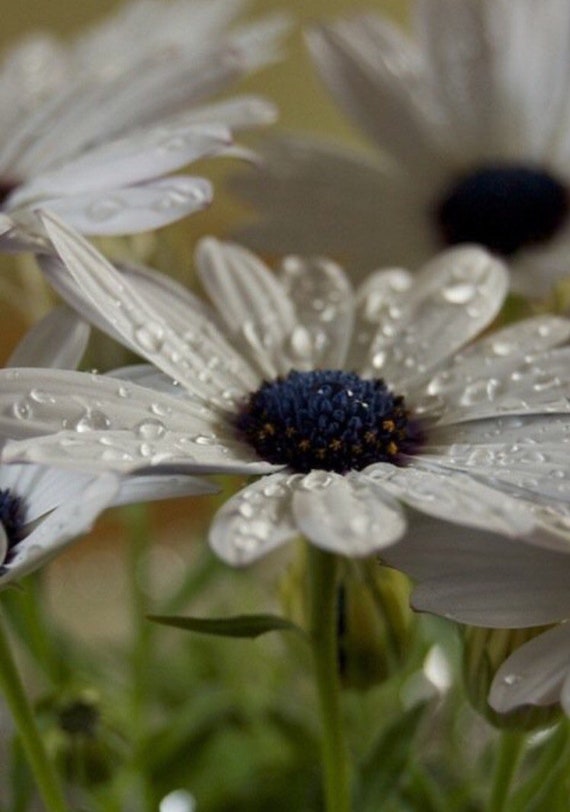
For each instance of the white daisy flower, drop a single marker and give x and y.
(471, 116)
(128, 107)
(493, 582)
(42, 508)
(264, 385)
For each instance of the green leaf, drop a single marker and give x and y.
(244, 626)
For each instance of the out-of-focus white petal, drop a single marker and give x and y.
(255, 521)
(238, 113)
(535, 673)
(484, 579)
(378, 76)
(138, 158)
(58, 341)
(345, 514)
(150, 487)
(316, 198)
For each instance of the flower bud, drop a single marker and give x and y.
(485, 650)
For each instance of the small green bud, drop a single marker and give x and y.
(485, 650)
(374, 624)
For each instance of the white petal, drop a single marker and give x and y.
(378, 76)
(345, 514)
(41, 487)
(455, 296)
(463, 41)
(455, 497)
(140, 157)
(58, 341)
(255, 521)
(535, 471)
(323, 301)
(130, 210)
(250, 301)
(188, 359)
(535, 673)
(496, 599)
(237, 113)
(378, 304)
(35, 401)
(149, 487)
(138, 450)
(72, 518)
(498, 368)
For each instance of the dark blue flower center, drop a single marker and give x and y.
(12, 517)
(505, 208)
(327, 419)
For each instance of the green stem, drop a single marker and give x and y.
(11, 685)
(323, 608)
(511, 746)
(137, 520)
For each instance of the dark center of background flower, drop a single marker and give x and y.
(326, 419)
(12, 517)
(7, 186)
(505, 208)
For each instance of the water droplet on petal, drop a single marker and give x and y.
(316, 481)
(92, 420)
(150, 336)
(460, 293)
(150, 429)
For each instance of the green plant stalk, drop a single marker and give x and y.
(511, 746)
(323, 571)
(11, 685)
(137, 522)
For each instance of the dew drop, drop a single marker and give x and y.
(22, 409)
(150, 429)
(39, 396)
(460, 293)
(150, 336)
(316, 481)
(92, 420)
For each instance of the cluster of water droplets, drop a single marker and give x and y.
(99, 428)
(259, 513)
(323, 303)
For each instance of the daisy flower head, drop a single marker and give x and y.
(43, 508)
(351, 404)
(129, 106)
(497, 583)
(470, 116)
